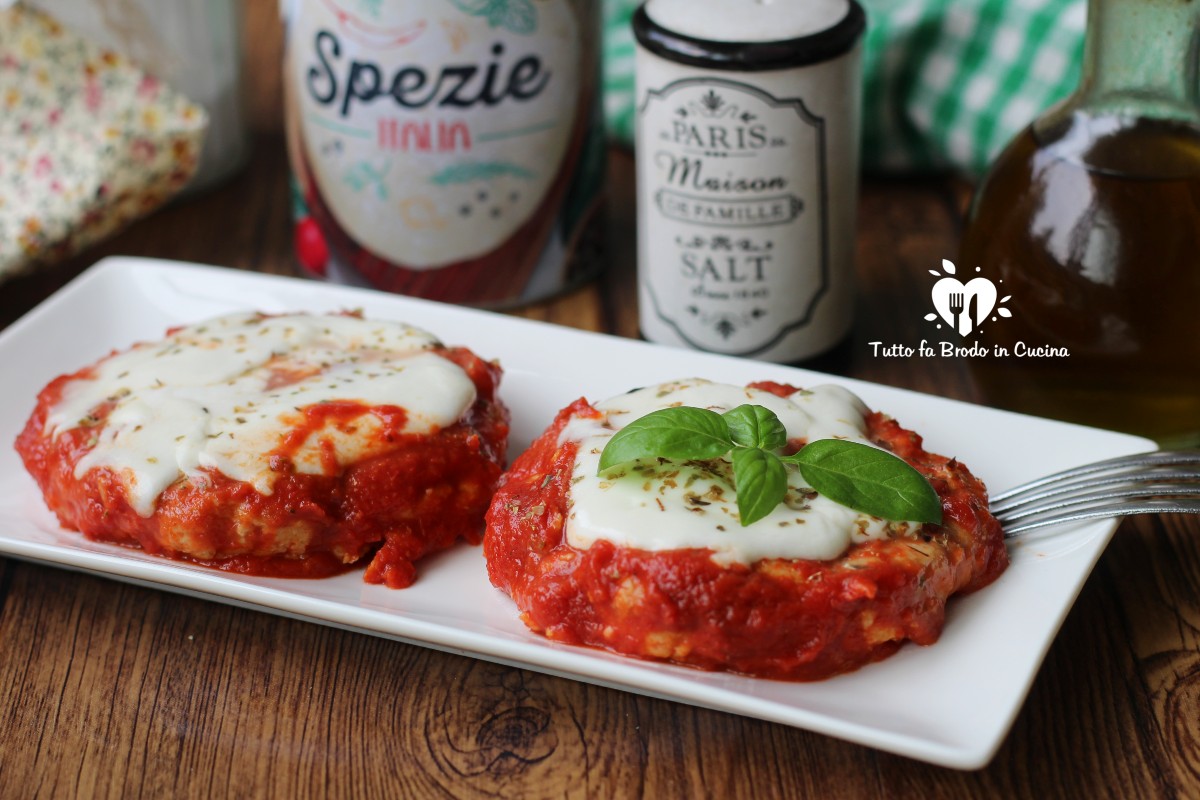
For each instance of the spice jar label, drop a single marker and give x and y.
(433, 130)
(738, 191)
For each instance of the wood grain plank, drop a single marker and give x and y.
(580, 308)
(1154, 572)
(262, 78)
(620, 283)
(109, 690)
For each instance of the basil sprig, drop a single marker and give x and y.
(855, 475)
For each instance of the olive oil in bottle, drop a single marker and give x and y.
(1091, 218)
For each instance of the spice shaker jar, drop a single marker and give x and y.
(446, 149)
(747, 170)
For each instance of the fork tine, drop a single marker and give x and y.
(1160, 458)
(1118, 510)
(1140, 484)
(1150, 492)
(1034, 495)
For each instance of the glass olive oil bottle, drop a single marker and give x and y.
(1091, 218)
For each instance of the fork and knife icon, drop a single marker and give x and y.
(964, 306)
(958, 304)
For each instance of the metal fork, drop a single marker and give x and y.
(957, 306)
(1162, 482)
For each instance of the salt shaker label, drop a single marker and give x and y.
(739, 186)
(746, 191)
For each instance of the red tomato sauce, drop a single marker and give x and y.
(777, 618)
(422, 494)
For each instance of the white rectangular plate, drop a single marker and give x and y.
(974, 679)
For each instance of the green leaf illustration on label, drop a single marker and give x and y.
(518, 16)
(362, 174)
(470, 171)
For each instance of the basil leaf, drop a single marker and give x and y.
(761, 482)
(681, 433)
(868, 479)
(756, 426)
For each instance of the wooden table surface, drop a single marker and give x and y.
(111, 690)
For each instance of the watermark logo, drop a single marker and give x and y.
(965, 306)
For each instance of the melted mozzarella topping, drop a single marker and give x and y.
(226, 394)
(662, 505)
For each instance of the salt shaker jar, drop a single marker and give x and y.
(747, 169)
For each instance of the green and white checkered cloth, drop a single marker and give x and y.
(947, 82)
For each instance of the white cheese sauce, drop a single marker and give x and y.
(662, 505)
(225, 393)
